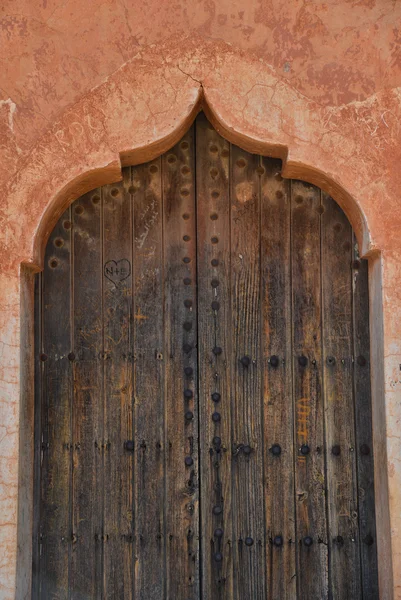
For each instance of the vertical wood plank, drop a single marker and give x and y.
(117, 308)
(310, 481)
(149, 360)
(277, 379)
(363, 422)
(88, 438)
(182, 506)
(55, 442)
(345, 574)
(247, 365)
(213, 240)
(37, 443)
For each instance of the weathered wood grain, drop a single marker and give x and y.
(213, 244)
(247, 428)
(363, 422)
(149, 400)
(277, 379)
(344, 560)
(196, 325)
(117, 322)
(55, 440)
(310, 481)
(88, 535)
(180, 307)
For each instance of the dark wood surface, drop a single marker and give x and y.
(198, 324)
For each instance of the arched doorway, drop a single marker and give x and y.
(203, 414)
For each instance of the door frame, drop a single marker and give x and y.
(111, 174)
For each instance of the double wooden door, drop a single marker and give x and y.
(203, 418)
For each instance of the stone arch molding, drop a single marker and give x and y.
(147, 105)
(140, 112)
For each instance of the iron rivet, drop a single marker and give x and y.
(186, 259)
(218, 533)
(214, 240)
(67, 224)
(217, 350)
(260, 170)
(303, 361)
(43, 357)
(216, 397)
(274, 360)
(188, 371)
(216, 417)
(339, 540)
(214, 283)
(241, 162)
(248, 541)
(189, 415)
(215, 194)
(304, 449)
(214, 216)
(188, 303)
(185, 216)
(53, 263)
(129, 445)
(218, 557)
(308, 541)
(336, 450)
(187, 348)
(71, 356)
(351, 449)
(132, 189)
(187, 281)
(59, 242)
(361, 360)
(114, 192)
(365, 449)
(214, 172)
(246, 361)
(217, 441)
(368, 540)
(187, 326)
(188, 393)
(153, 169)
(217, 510)
(331, 361)
(186, 238)
(79, 210)
(247, 449)
(189, 461)
(214, 262)
(276, 449)
(215, 305)
(184, 145)
(279, 194)
(313, 362)
(278, 541)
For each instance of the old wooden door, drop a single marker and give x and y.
(203, 418)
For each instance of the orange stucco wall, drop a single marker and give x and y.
(88, 86)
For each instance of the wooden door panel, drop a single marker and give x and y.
(54, 444)
(180, 356)
(117, 409)
(204, 423)
(148, 383)
(276, 352)
(246, 368)
(213, 241)
(343, 531)
(310, 476)
(87, 408)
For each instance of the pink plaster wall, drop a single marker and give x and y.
(87, 85)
